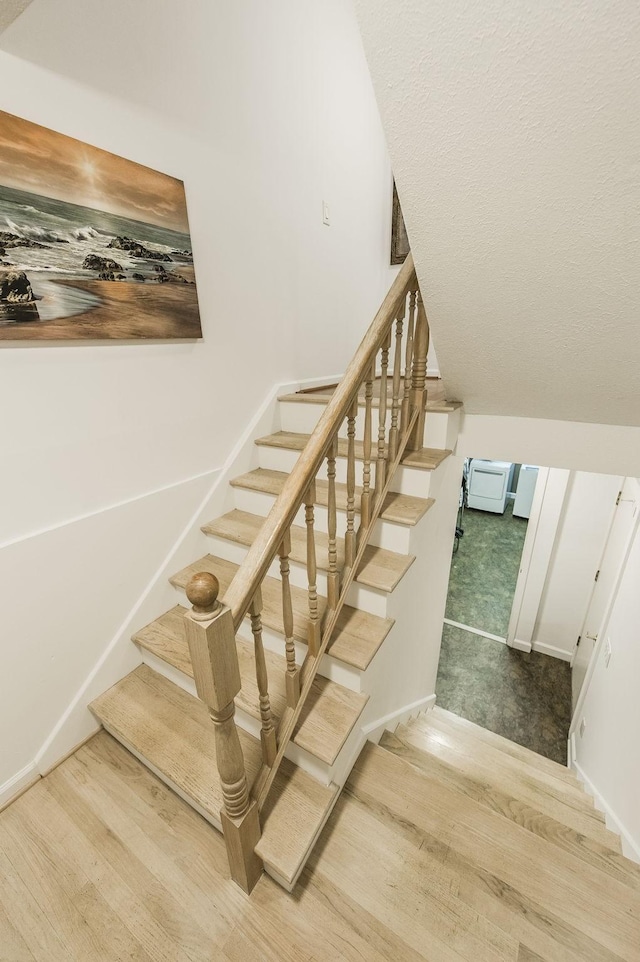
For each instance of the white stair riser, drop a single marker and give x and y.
(330, 668)
(302, 419)
(386, 534)
(358, 596)
(407, 480)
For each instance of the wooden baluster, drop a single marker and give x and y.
(292, 674)
(406, 397)
(314, 622)
(365, 499)
(350, 534)
(397, 375)
(333, 577)
(214, 657)
(267, 730)
(418, 397)
(381, 463)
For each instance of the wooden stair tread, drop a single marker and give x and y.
(435, 407)
(427, 458)
(357, 635)
(329, 714)
(537, 812)
(171, 730)
(398, 508)
(380, 568)
(504, 867)
(458, 723)
(532, 784)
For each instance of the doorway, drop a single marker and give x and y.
(510, 655)
(490, 537)
(522, 695)
(610, 565)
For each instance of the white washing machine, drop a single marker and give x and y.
(488, 485)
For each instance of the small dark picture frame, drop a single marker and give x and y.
(399, 240)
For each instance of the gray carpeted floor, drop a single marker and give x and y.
(525, 697)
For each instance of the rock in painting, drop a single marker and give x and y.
(136, 249)
(93, 262)
(15, 287)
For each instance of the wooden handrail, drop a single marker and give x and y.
(264, 549)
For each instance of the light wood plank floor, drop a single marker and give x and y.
(100, 861)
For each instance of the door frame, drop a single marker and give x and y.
(597, 648)
(533, 570)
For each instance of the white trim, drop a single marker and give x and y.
(109, 507)
(17, 783)
(560, 653)
(597, 648)
(45, 759)
(520, 645)
(434, 372)
(475, 631)
(310, 382)
(547, 509)
(76, 721)
(630, 847)
(373, 731)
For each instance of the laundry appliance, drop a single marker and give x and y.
(489, 485)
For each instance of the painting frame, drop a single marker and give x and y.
(93, 246)
(399, 238)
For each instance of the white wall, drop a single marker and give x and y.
(263, 112)
(605, 448)
(607, 753)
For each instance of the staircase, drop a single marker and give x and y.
(467, 846)
(292, 663)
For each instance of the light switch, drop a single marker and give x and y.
(325, 214)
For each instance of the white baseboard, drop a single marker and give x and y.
(520, 645)
(560, 653)
(630, 846)
(18, 783)
(373, 731)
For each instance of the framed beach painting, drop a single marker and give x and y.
(91, 245)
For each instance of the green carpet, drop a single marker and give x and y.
(484, 570)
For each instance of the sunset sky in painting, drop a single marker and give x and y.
(38, 160)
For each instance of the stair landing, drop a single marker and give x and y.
(171, 732)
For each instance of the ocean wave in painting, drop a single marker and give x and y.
(41, 236)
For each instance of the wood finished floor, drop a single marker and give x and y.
(100, 861)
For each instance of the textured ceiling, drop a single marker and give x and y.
(9, 10)
(514, 133)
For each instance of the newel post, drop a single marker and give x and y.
(211, 637)
(418, 393)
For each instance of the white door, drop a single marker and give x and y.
(611, 561)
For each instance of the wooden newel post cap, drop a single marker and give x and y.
(202, 592)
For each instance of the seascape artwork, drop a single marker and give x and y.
(91, 245)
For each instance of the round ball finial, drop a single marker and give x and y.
(202, 592)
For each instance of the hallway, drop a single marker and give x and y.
(525, 697)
